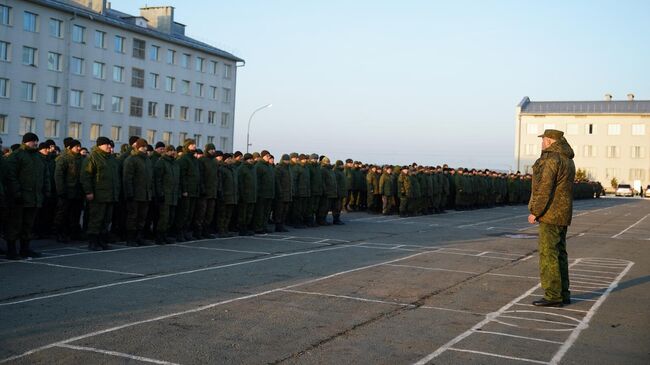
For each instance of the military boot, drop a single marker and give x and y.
(140, 240)
(103, 241)
(280, 228)
(160, 239)
(131, 239)
(26, 252)
(93, 242)
(11, 251)
(337, 221)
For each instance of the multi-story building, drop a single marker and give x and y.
(81, 69)
(610, 138)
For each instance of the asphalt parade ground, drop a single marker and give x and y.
(452, 288)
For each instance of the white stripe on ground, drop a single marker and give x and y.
(632, 226)
(516, 336)
(199, 309)
(497, 355)
(220, 249)
(79, 268)
(553, 308)
(492, 220)
(465, 272)
(118, 354)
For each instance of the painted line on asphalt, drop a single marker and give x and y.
(79, 268)
(465, 272)
(553, 308)
(117, 354)
(220, 249)
(517, 336)
(632, 226)
(492, 220)
(497, 355)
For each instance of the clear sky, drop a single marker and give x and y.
(427, 81)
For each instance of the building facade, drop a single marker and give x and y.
(78, 68)
(610, 138)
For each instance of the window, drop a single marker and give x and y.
(74, 130)
(226, 95)
(185, 87)
(51, 128)
(530, 149)
(611, 173)
(119, 44)
(77, 66)
(154, 53)
(136, 107)
(137, 77)
(4, 88)
(637, 174)
(97, 102)
(171, 56)
(55, 27)
(214, 93)
(53, 95)
(3, 124)
(199, 89)
(169, 111)
(53, 61)
(116, 133)
(29, 56)
(5, 51)
(210, 139)
(154, 80)
(30, 22)
(223, 142)
(549, 126)
(95, 131)
(198, 64)
(117, 104)
(590, 129)
(185, 60)
(198, 115)
(167, 138)
(78, 34)
(28, 91)
(212, 115)
(26, 125)
(197, 139)
(135, 131)
(170, 84)
(151, 135)
(572, 129)
(638, 152)
(99, 70)
(152, 110)
(638, 129)
(138, 48)
(225, 119)
(227, 71)
(589, 151)
(5, 15)
(184, 112)
(76, 98)
(613, 129)
(613, 152)
(182, 136)
(100, 39)
(214, 67)
(118, 73)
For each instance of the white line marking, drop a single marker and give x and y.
(497, 355)
(115, 353)
(604, 266)
(79, 268)
(553, 308)
(492, 220)
(220, 249)
(483, 253)
(632, 226)
(465, 272)
(527, 258)
(596, 271)
(516, 336)
(585, 321)
(199, 309)
(539, 320)
(588, 291)
(572, 298)
(592, 276)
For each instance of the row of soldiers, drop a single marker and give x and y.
(180, 194)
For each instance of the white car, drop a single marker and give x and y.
(624, 190)
(647, 192)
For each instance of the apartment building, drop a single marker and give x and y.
(610, 138)
(81, 69)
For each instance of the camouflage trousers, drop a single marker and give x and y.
(553, 262)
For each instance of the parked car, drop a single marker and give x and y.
(624, 190)
(647, 192)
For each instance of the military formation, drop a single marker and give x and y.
(175, 194)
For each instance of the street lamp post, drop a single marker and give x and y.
(248, 131)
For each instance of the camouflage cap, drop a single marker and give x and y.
(256, 155)
(285, 157)
(209, 147)
(313, 156)
(553, 134)
(325, 161)
(294, 155)
(338, 163)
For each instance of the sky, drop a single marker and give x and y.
(431, 82)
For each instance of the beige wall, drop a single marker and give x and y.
(602, 154)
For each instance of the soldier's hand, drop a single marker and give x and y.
(90, 196)
(532, 219)
(185, 195)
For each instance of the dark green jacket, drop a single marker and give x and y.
(372, 183)
(315, 179)
(28, 180)
(301, 181)
(247, 184)
(265, 174)
(209, 177)
(349, 177)
(137, 177)
(99, 176)
(66, 175)
(341, 183)
(167, 178)
(404, 187)
(386, 184)
(190, 175)
(283, 183)
(554, 172)
(328, 177)
(228, 175)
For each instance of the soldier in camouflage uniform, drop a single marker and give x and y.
(265, 175)
(68, 187)
(137, 182)
(386, 190)
(551, 205)
(341, 192)
(373, 195)
(228, 195)
(283, 193)
(404, 190)
(167, 192)
(247, 185)
(328, 199)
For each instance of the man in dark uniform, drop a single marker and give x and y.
(227, 195)
(247, 184)
(190, 180)
(265, 176)
(137, 182)
(283, 193)
(70, 193)
(206, 206)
